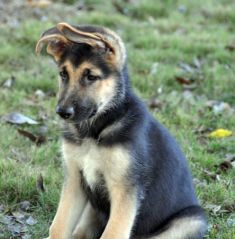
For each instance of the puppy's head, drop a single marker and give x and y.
(90, 61)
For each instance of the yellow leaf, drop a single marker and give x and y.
(220, 133)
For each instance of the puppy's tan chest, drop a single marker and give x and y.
(94, 161)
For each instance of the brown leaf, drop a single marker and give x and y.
(227, 164)
(40, 184)
(224, 166)
(229, 207)
(39, 139)
(119, 8)
(230, 47)
(183, 80)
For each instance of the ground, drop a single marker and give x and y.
(181, 61)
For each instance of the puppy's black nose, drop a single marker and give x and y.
(65, 112)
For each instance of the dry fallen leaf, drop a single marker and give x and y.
(40, 184)
(211, 175)
(24, 206)
(230, 47)
(227, 164)
(19, 217)
(39, 94)
(186, 67)
(224, 166)
(31, 221)
(39, 139)
(18, 118)
(183, 80)
(219, 107)
(220, 133)
(16, 223)
(231, 221)
(121, 9)
(9, 82)
(202, 130)
(215, 209)
(197, 63)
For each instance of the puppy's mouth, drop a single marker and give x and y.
(82, 116)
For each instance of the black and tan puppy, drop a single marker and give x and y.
(125, 175)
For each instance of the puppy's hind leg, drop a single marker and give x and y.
(190, 223)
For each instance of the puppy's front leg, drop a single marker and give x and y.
(123, 212)
(72, 203)
(88, 225)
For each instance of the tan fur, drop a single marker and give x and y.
(69, 210)
(113, 164)
(53, 41)
(116, 56)
(75, 74)
(87, 224)
(78, 36)
(183, 228)
(120, 54)
(123, 212)
(101, 91)
(53, 52)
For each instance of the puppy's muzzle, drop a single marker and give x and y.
(65, 112)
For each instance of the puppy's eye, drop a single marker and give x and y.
(64, 75)
(89, 77)
(92, 78)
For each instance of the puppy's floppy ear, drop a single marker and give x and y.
(55, 41)
(105, 41)
(78, 35)
(102, 39)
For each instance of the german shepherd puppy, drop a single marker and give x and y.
(125, 175)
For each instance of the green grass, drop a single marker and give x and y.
(167, 33)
